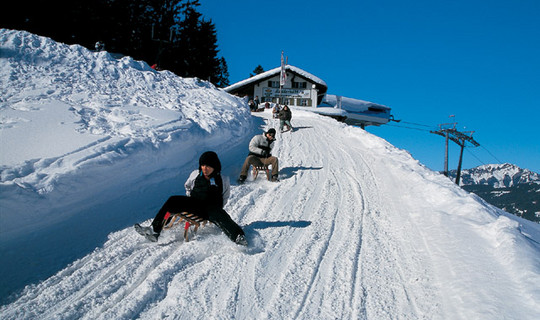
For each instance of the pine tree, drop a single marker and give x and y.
(258, 70)
(222, 80)
(171, 33)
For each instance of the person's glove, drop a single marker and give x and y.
(265, 151)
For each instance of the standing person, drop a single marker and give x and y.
(257, 102)
(260, 148)
(207, 192)
(275, 111)
(251, 104)
(285, 116)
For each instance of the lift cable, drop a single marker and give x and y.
(499, 161)
(419, 124)
(405, 127)
(472, 154)
(467, 136)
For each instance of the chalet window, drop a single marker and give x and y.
(273, 84)
(303, 102)
(281, 101)
(299, 85)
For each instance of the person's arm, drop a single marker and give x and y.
(190, 182)
(254, 145)
(226, 189)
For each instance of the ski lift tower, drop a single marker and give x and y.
(448, 130)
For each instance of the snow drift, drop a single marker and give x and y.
(356, 229)
(66, 109)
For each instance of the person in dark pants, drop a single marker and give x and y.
(285, 116)
(207, 192)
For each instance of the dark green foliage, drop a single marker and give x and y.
(258, 70)
(522, 200)
(171, 33)
(223, 74)
(506, 186)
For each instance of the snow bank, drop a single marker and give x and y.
(77, 125)
(65, 108)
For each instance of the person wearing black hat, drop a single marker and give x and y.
(260, 148)
(285, 116)
(207, 192)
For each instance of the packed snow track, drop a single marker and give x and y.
(355, 229)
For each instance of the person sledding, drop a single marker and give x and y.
(260, 155)
(285, 116)
(207, 192)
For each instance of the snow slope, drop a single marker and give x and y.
(356, 229)
(76, 126)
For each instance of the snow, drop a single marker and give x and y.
(326, 111)
(498, 175)
(355, 229)
(351, 104)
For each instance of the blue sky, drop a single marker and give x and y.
(427, 60)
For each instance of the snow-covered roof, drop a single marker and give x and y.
(351, 104)
(270, 73)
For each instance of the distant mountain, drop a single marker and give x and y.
(506, 186)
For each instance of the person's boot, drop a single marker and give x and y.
(241, 240)
(242, 179)
(147, 232)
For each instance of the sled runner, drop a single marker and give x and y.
(255, 172)
(191, 220)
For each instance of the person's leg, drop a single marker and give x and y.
(250, 160)
(176, 204)
(275, 164)
(288, 123)
(222, 219)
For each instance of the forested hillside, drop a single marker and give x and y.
(170, 33)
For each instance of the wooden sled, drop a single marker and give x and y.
(255, 172)
(191, 220)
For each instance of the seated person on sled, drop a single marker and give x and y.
(207, 193)
(260, 148)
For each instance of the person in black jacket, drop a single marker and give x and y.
(285, 116)
(207, 192)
